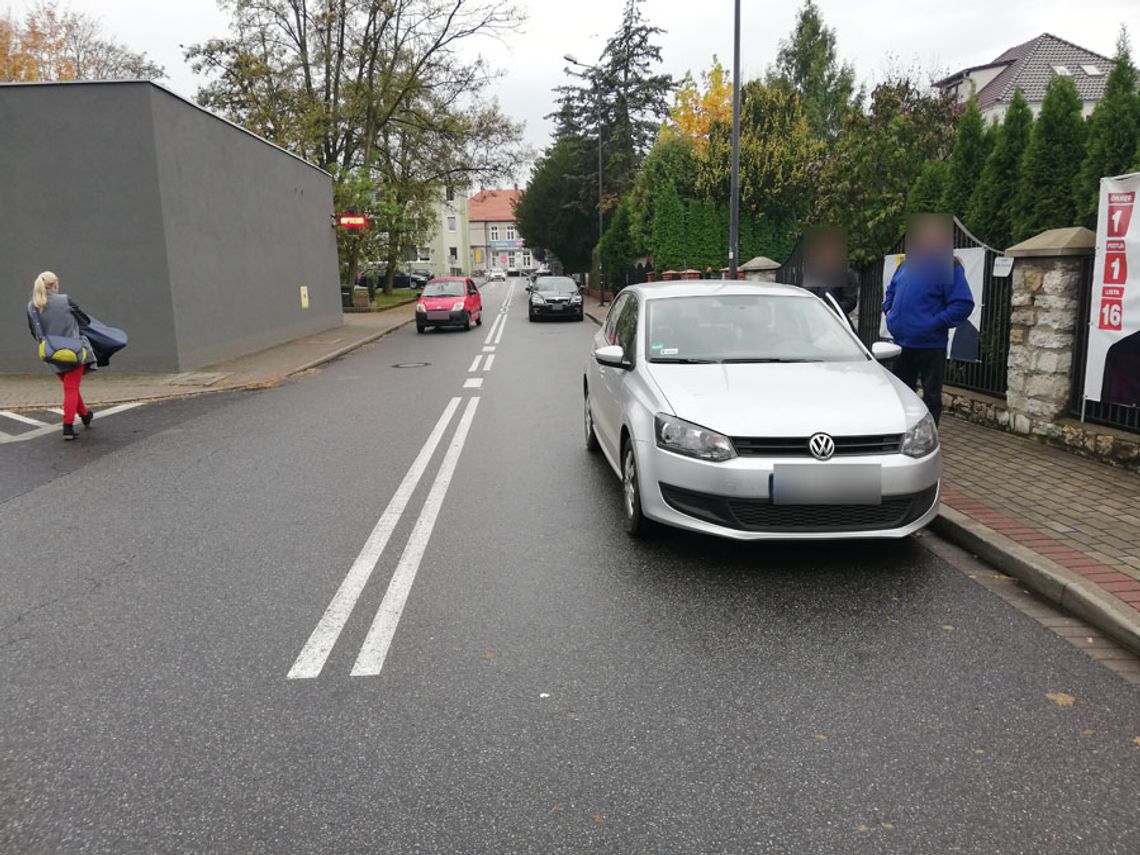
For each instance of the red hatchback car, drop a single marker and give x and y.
(450, 301)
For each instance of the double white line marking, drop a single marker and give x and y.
(372, 654)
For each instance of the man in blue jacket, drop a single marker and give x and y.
(928, 296)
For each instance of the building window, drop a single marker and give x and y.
(1062, 70)
(453, 254)
(511, 232)
(423, 253)
(450, 194)
(512, 259)
(527, 261)
(1093, 70)
(451, 224)
(494, 232)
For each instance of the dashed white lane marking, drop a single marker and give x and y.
(46, 429)
(379, 638)
(20, 417)
(473, 383)
(499, 334)
(316, 650)
(490, 361)
(490, 349)
(475, 363)
(498, 322)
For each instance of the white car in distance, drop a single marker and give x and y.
(753, 411)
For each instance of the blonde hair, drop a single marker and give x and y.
(44, 282)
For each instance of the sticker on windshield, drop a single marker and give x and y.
(656, 345)
(670, 351)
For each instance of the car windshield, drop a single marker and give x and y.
(555, 283)
(435, 288)
(746, 328)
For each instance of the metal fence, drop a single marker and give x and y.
(1113, 415)
(989, 374)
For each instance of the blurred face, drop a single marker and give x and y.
(929, 237)
(825, 253)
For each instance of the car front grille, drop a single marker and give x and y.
(797, 446)
(762, 515)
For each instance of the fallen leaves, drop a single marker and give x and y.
(887, 825)
(1061, 699)
(949, 627)
(597, 818)
(862, 827)
(1137, 741)
(1087, 732)
(822, 737)
(488, 655)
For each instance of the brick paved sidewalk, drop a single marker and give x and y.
(1075, 512)
(109, 386)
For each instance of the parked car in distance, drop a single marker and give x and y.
(752, 412)
(496, 276)
(420, 277)
(377, 275)
(554, 297)
(449, 301)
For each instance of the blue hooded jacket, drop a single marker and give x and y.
(922, 304)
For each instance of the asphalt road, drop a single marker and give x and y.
(197, 656)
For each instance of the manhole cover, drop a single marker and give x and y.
(411, 365)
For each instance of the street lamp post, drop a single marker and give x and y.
(734, 192)
(570, 58)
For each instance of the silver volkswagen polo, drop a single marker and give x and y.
(752, 411)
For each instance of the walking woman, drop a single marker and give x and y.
(51, 313)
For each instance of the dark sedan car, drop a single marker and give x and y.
(555, 297)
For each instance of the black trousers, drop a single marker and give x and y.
(927, 364)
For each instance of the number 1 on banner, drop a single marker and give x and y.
(1111, 314)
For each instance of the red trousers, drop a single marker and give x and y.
(72, 400)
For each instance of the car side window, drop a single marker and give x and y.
(611, 319)
(626, 328)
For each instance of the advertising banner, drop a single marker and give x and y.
(963, 345)
(1112, 363)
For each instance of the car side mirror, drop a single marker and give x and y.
(885, 350)
(612, 355)
(530, 287)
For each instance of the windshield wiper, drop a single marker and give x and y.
(742, 359)
(684, 360)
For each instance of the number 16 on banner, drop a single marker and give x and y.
(1111, 309)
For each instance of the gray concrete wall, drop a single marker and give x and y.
(160, 218)
(246, 226)
(79, 196)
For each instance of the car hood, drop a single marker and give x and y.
(789, 399)
(440, 302)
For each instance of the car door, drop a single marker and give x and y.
(596, 375)
(624, 334)
(474, 301)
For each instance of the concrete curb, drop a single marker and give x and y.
(1059, 585)
(597, 321)
(348, 348)
(371, 310)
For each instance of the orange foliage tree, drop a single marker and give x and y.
(55, 43)
(696, 107)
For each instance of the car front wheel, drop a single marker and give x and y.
(635, 523)
(467, 321)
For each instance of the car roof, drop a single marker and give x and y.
(709, 287)
(449, 279)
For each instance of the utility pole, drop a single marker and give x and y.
(734, 193)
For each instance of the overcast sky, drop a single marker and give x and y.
(938, 36)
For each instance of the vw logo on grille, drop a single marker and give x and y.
(821, 446)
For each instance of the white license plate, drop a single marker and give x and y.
(827, 484)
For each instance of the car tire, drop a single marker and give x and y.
(581, 316)
(588, 424)
(636, 525)
(530, 316)
(420, 329)
(466, 323)
(479, 320)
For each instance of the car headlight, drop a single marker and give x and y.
(921, 439)
(575, 298)
(537, 300)
(682, 437)
(420, 307)
(457, 306)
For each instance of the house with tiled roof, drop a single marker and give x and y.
(1030, 66)
(495, 241)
